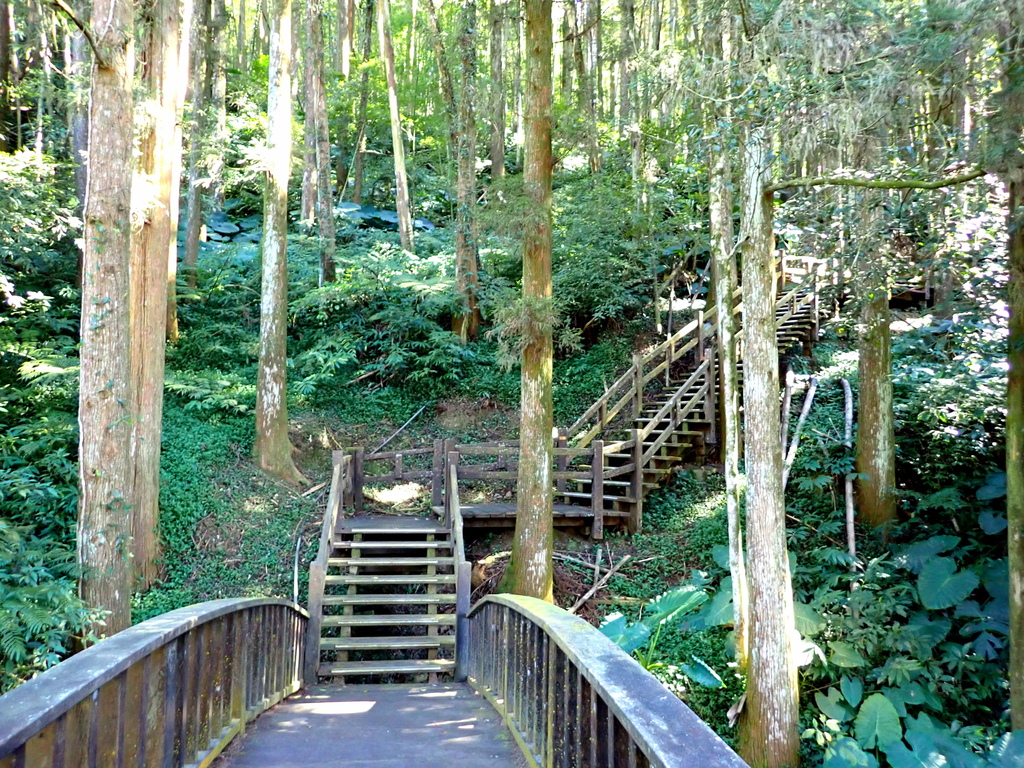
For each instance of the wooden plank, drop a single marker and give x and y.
(597, 492)
(437, 474)
(357, 478)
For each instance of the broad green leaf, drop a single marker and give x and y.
(853, 689)
(994, 487)
(924, 753)
(717, 611)
(672, 604)
(1009, 750)
(845, 655)
(927, 632)
(807, 651)
(991, 523)
(808, 621)
(877, 723)
(627, 636)
(846, 753)
(720, 554)
(915, 556)
(832, 705)
(701, 673)
(940, 585)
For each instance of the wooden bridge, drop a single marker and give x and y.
(389, 600)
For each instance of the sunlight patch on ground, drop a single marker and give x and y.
(397, 494)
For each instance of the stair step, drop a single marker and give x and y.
(341, 562)
(391, 620)
(393, 544)
(392, 599)
(577, 495)
(405, 666)
(606, 483)
(408, 643)
(415, 578)
(377, 530)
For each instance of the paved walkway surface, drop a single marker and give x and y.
(377, 726)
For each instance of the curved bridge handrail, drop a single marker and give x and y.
(171, 691)
(569, 694)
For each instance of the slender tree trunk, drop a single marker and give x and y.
(78, 109)
(499, 14)
(467, 323)
(364, 98)
(273, 449)
(5, 75)
(317, 67)
(198, 90)
(151, 247)
(530, 568)
(627, 53)
(307, 198)
(768, 736)
(1009, 127)
(402, 203)
(217, 78)
(585, 89)
(596, 25)
(105, 397)
(240, 38)
(342, 53)
(445, 81)
(876, 438)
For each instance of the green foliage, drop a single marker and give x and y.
(41, 616)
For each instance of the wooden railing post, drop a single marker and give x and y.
(357, 477)
(700, 335)
(815, 303)
(561, 460)
(638, 386)
(597, 490)
(711, 399)
(451, 495)
(637, 483)
(448, 447)
(437, 475)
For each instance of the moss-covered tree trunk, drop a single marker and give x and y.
(499, 13)
(153, 245)
(768, 736)
(530, 570)
(273, 450)
(467, 322)
(105, 398)
(387, 53)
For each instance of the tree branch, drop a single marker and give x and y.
(847, 181)
(66, 9)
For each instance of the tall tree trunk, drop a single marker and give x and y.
(105, 397)
(78, 110)
(595, 25)
(387, 52)
(467, 323)
(1009, 125)
(273, 450)
(585, 89)
(627, 54)
(307, 197)
(364, 98)
(316, 68)
(151, 247)
(240, 38)
(342, 51)
(198, 91)
(445, 81)
(768, 736)
(499, 14)
(5, 75)
(530, 567)
(876, 437)
(218, 99)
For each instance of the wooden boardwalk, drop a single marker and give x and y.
(377, 726)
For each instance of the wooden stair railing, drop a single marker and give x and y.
(570, 696)
(171, 691)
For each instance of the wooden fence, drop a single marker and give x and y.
(167, 693)
(571, 697)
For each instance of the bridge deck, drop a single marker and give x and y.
(377, 726)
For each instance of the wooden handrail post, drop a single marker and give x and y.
(448, 448)
(358, 455)
(711, 400)
(636, 517)
(816, 306)
(451, 492)
(597, 490)
(638, 386)
(437, 475)
(700, 335)
(561, 461)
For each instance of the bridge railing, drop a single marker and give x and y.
(169, 692)
(571, 697)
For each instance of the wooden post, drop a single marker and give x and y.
(449, 448)
(437, 475)
(561, 460)
(343, 499)
(700, 335)
(451, 492)
(710, 400)
(315, 605)
(597, 491)
(463, 587)
(357, 477)
(816, 306)
(636, 517)
(399, 470)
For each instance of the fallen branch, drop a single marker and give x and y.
(399, 431)
(314, 489)
(791, 456)
(594, 589)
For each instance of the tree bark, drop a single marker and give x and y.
(198, 90)
(364, 98)
(530, 567)
(499, 13)
(151, 249)
(240, 38)
(273, 450)
(78, 110)
(769, 735)
(105, 397)
(5, 76)
(467, 323)
(446, 83)
(316, 105)
(627, 53)
(217, 78)
(402, 203)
